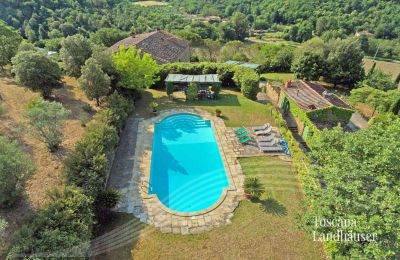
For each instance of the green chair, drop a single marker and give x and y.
(245, 140)
(244, 134)
(240, 131)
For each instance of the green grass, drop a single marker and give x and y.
(278, 77)
(259, 230)
(236, 109)
(389, 67)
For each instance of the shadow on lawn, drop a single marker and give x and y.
(272, 206)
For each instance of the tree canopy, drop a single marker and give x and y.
(135, 70)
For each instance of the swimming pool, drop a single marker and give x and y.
(187, 173)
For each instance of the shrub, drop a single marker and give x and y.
(15, 169)
(104, 202)
(249, 83)
(45, 120)
(191, 91)
(253, 187)
(88, 165)
(61, 225)
(87, 108)
(120, 108)
(216, 88)
(169, 88)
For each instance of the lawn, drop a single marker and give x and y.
(388, 67)
(259, 230)
(236, 109)
(278, 77)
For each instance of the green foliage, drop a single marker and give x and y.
(108, 36)
(359, 172)
(103, 204)
(249, 82)
(61, 226)
(217, 89)
(15, 169)
(169, 88)
(344, 62)
(332, 115)
(46, 120)
(135, 71)
(88, 165)
(75, 50)
(230, 75)
(120, 109)
(105, 59)
(380, 100)
(191, 91)
(309, 66)
(37, 72)
(9, 41)
(93, 81)
(378, 79)
(3, 224)
(253, 187)
(26, 46)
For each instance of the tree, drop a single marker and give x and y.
(345, 62)
(45, 120)
(309, 66)
(359, 180)
(379, 80)
(253, 187)
(240, 25)
(379, 100)
(93, 81)
(9, 42)
(75, 50)
(135, 70)
(191, 91)
(169, 88)
(230, 49)
(212, 49)
(37, 72)
(63, 227)
(15, 169)
(105, 59)
(108, 36)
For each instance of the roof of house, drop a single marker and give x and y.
(179, 78)
(164, 47)
(309, 96)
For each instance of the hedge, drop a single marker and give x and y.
(230, 75)
(68, 219)
(331, 114)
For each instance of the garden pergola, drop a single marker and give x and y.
(203, 81)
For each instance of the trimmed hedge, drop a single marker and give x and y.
(331, 114)
(230, 75)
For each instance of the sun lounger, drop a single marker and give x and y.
(245, 140)
(261, 128)
(240, 130)
(265, 132)
(271, 149)
(242, 135)
(265, 138)
(266, 144)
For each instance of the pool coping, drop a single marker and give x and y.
(159, 118)
(149, 209)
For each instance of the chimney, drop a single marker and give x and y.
(288, 84)
(133, 35)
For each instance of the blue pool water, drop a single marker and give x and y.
(187, 173)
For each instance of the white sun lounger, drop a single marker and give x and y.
(271, 149)
(261, 128)
(265, 138)
(266, 143)
(265, 132)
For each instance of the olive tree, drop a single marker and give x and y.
(37, 71)
(15, 169)
(45, 121)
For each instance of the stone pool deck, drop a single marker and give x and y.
(131, 173)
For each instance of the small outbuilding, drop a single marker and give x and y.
(208, 86)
